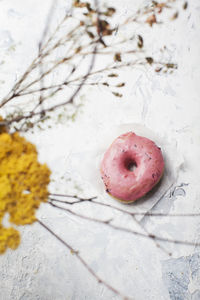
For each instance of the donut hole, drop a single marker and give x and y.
(130, 165)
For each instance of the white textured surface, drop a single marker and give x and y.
(169, 105)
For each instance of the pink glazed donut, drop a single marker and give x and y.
(131, 167)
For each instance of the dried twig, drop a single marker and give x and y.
(84, 263)
(123, 229)
(80, 41)
(93, 200)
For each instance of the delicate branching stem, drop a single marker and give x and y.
(93, 200)
(48, 21)
(123, 229)
(92, 30)
(158, 245)
(110, 67)
(83, 262)
(54, 107)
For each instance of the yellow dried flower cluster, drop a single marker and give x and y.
(23, 186)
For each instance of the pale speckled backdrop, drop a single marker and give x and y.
(168, 104)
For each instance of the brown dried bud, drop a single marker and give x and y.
(77, 3)
(175, 16)
(120, 84)
(149, 60)
(91, 35)
(110, 12)
(151, 20)
(104, 28)
(160, 6)
(117, 94)
(171, 66)
(185, 5)
(113, 75)
(117, 57)
(158, 69)
(140, 41)
(78, 49)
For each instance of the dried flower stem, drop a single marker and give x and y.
(123, 229)
(93, 200)
(83, 262)
(93, 28)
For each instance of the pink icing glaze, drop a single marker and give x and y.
(119, 180)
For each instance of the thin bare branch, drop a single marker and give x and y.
(54, 107)
(93, 200)
(45, 50)
(83, 262)
(123, 229)
(158, 245)
(47, 24)
(111, 67)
